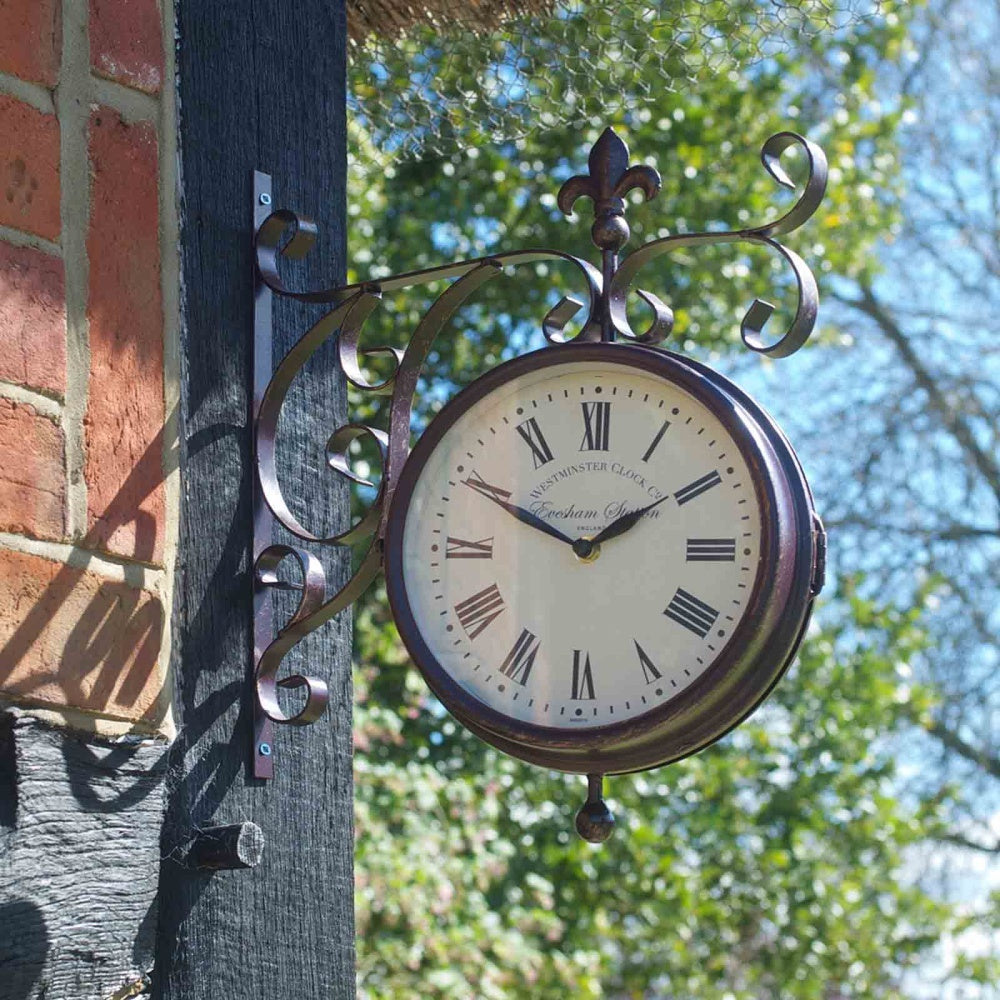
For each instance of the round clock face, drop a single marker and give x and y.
(575, 545)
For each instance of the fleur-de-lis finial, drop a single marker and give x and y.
(610, 179)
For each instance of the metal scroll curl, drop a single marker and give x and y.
(312, 612)
(759, 312)
(347, 320)
(299, 234)
(344, 325)
(312, 590)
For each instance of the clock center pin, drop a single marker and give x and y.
(586, 549)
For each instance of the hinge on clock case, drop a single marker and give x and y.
(819, 556)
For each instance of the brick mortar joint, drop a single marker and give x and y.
(23, 240)
(43, 404)
(36, 95)
(72, 99)
(133, 105)
(170, 277)
(109, 729)
(140, 575)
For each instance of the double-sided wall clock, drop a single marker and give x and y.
(602, 555)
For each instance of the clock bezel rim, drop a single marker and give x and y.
(630, 744)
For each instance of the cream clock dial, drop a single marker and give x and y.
(581, 638)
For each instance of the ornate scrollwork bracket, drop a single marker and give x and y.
(281, 234)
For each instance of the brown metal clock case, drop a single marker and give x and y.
(755, 656)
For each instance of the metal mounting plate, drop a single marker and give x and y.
(263, 520)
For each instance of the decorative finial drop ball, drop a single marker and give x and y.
(610, 232)
(595, 822)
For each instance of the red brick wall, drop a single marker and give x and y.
(88, 292)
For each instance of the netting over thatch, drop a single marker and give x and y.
(437, 75)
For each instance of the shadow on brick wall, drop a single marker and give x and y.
(202, 782)
(87, 642)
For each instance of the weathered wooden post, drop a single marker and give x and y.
(261, 86)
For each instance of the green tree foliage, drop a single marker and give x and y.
(771, 865)
(767, 866)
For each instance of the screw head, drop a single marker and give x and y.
(264, 749)
(265, 199)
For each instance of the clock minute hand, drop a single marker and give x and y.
(500, 496)
(622, 524)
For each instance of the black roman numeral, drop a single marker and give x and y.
(711, 549)
(649, 671)
(478, 611)
(532, 435)
(693, 614)
(583, 679)
(596, 426)
(656, 440)
(521, 658)
(459, 548)
(698, 487)
(480, 485)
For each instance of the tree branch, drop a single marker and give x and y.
(985, 463)
(949, 738)
(958, 840)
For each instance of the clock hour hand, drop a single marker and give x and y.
(622, 524)
(533, 521)
(501, 498)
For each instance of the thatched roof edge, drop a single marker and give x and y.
(388, 18)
